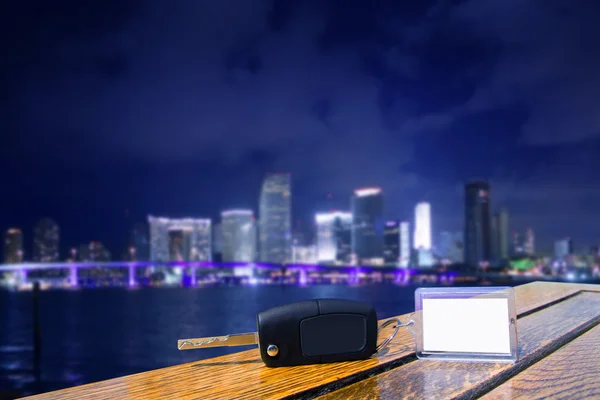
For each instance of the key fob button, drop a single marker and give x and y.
(333, 334)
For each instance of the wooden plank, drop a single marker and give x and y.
(571, 372)
(243, 375)
(539, 334)
(534, 295)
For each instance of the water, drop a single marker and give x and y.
(92, 335)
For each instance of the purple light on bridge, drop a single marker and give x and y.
(398, 278)
(402, 277)
(73, 276)
(302, 279)
(406, 279)
(354, 279)
(132, 282)
(193, 277)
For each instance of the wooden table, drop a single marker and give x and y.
(559, 351)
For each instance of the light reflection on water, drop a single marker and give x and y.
(92, 335)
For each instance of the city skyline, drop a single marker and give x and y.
(237, 235)
(110, 119)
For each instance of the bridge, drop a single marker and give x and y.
(194, 273)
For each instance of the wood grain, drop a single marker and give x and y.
(539, 334)
(539, 294)
(571, 372)
(243, 375)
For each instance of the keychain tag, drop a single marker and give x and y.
(466, 323)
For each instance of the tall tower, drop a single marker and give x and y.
(238, 236)
(275, 219)
(13, 246)
(46, 236)
(422, 240)
(391, 243)
(503, 233)
(404, 244)
(529, 245)
(332, 236)
(477, 223)
(367, 225)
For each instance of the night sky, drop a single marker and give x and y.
(114, 109)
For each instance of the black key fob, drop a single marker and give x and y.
(317, 331)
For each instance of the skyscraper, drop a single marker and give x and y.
(13, 246)
(218, 240)
(477, 223)
(517, 244)
(139, 242)
(367, 225)
(422, 240)
(563, 248)
(529, 245)
(46, 235)
(451, 246)
(502, 234)
(238, 235)
(275, 219)
(342, 228)
(333, 229)
(185, 239)
(404, 244)
(494, 238)
(391, 243)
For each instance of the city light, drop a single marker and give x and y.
(228, 213)
(422, 240)
(331, 216)
(179, 251)
(367, 192)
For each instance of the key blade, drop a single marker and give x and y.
(240, 339)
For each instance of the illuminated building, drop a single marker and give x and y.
(451, 247)
(422, 239)
(342, 226)
(185, 239)
(97, 252)
(517, 246)
(494, 239)
(46, 235)
(425, 258)
(404, 244)
(238, 231)
(333, 234)
(502, 234)
(275, 219)
(304, 254)
(391, 243)
(139, 243)
(180, 243)
(563, 248)
(529, 245)
(367, 225)
(218, 239)
(298, 239)
(477, 224)
(13, 246)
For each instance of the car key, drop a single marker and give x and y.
(307, 332)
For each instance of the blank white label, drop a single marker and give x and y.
(466, 325)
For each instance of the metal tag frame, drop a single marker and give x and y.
(507, 293)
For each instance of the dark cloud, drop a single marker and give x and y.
(341, 93)
(176, 82)
(549, 63)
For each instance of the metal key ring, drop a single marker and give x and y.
(394, 333)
